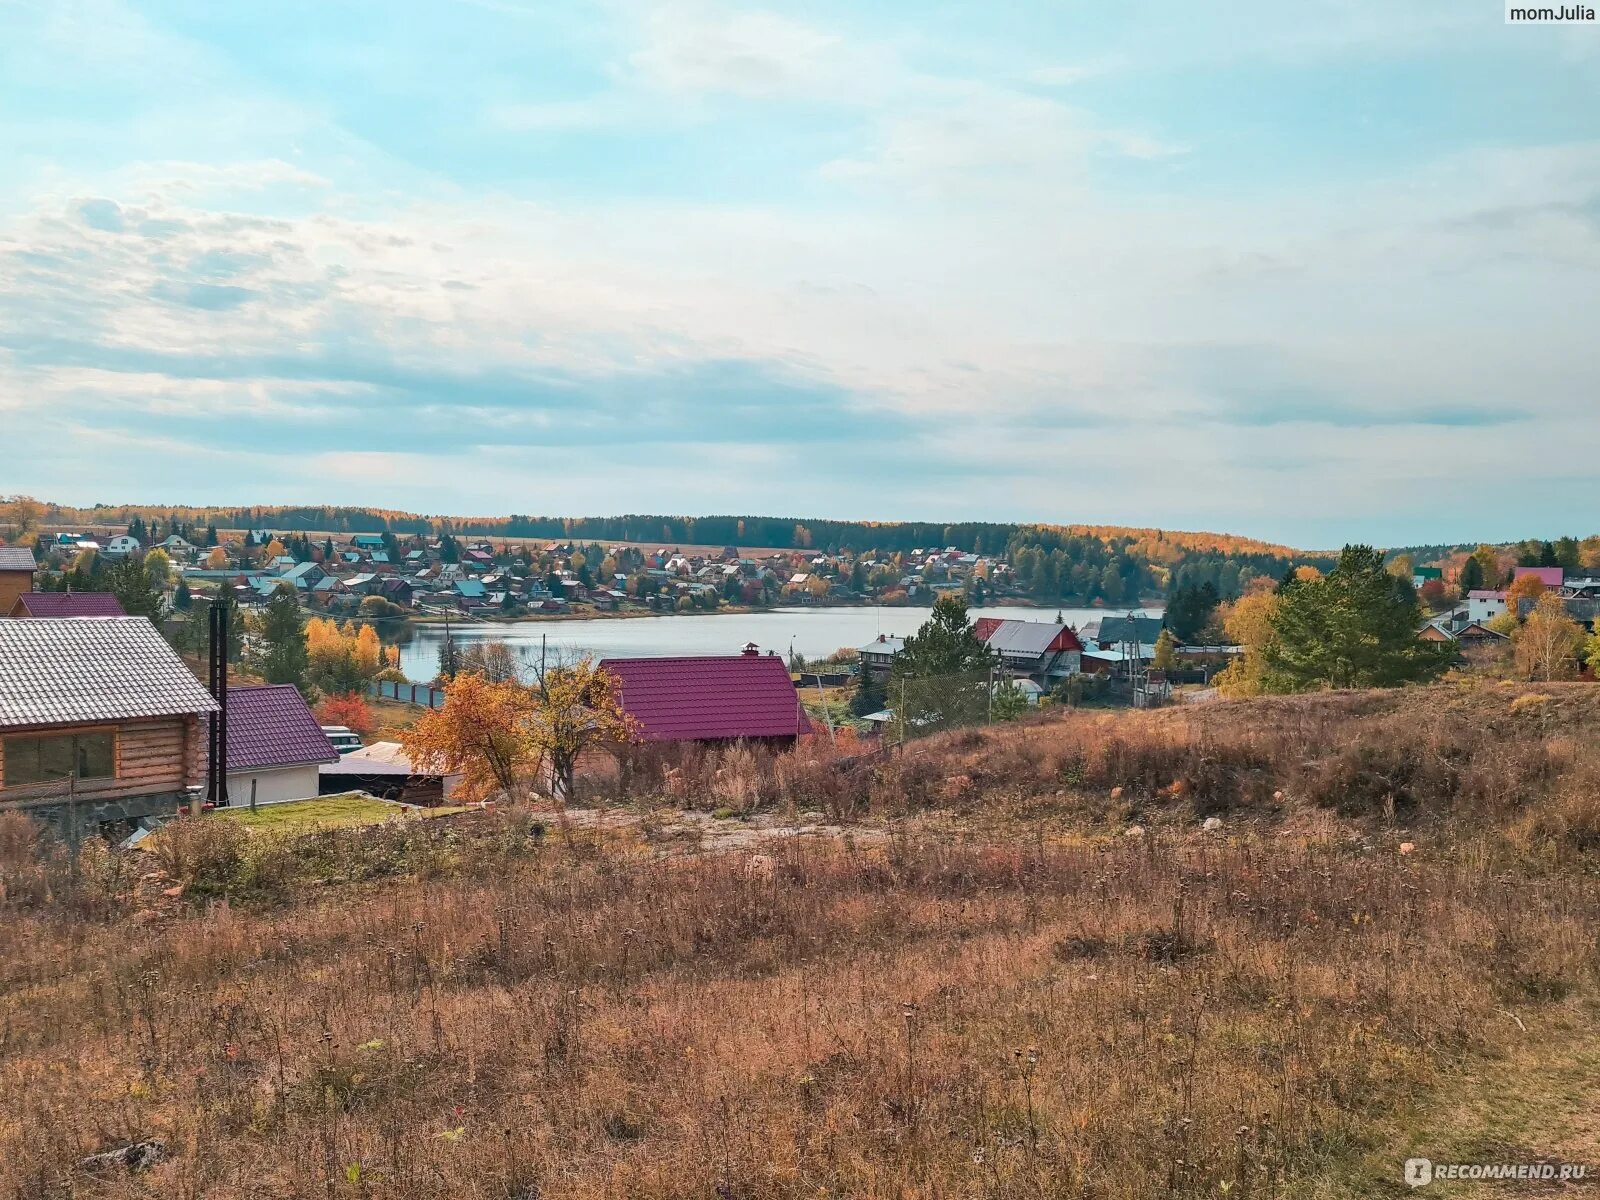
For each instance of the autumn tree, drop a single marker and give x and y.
(20, 516)
(217, 560)
(1248, 625)
(578, 708)
(350, 710)
(1591, 654)
(158, 565)
(345, 658)
(494, 660)
(1525, 587)
(1165, 656)
(483, 733)
(1545, 646)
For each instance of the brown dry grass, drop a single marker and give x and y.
(460, 1009)
(1519, 765)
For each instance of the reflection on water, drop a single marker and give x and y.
(813, 632)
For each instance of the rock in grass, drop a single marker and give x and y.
(136, 1156)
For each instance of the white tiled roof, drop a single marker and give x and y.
(16, 558)
(85, 669)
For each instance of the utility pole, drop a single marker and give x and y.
(217, 779)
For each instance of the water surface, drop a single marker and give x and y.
(813, 632)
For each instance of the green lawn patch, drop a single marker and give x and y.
(326, 812)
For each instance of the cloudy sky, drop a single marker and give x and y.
(1310, 271)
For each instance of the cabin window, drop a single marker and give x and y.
(60, 756)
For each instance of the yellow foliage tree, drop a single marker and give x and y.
(274, 548)
(578, 707)
(21, 515)
(217, 560)
(1248, 622)
(1545, 646)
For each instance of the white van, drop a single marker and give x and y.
(344, 739)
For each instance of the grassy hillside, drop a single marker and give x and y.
(985, 987)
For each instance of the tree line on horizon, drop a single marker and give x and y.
(788, 533)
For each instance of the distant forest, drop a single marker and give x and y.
(792, 533)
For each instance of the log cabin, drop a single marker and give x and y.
(16, 574)
(100, 721)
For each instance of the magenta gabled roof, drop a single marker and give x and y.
(1549, 576)
(271, 726)
(708, 698)
(70, 604)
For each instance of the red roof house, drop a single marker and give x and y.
(1041, 650)
(66, 604)
(715, 698)
(1551, 577)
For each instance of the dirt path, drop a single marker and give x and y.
(1538, 1104)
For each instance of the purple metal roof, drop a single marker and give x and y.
(70, 604)
(271, 726)
(715, 697)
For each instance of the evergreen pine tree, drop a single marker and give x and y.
(283, 657)
(130, 582)
(1354, 627)
(942, 672)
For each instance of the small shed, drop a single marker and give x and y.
(385, 769)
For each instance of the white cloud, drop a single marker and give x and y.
(698, 47)
(958, 273)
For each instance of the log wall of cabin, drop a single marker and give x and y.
(12, 585)
(155, 756)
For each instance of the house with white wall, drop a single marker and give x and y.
(1484, 605)
(275, 746)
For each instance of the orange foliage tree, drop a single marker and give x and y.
(349, 710)
(482, 733)
(1524, 587)
(500, 736)
(345, 658)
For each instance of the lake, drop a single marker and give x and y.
(813, 632)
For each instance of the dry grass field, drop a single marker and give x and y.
(1005, 996)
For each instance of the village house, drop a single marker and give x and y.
(1484, 604)
(877, 656)
(121, 546)
(275, 746)
(1551, 577)
(99, 719)
(711, 698)
(16, 574)
(1038, 650)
